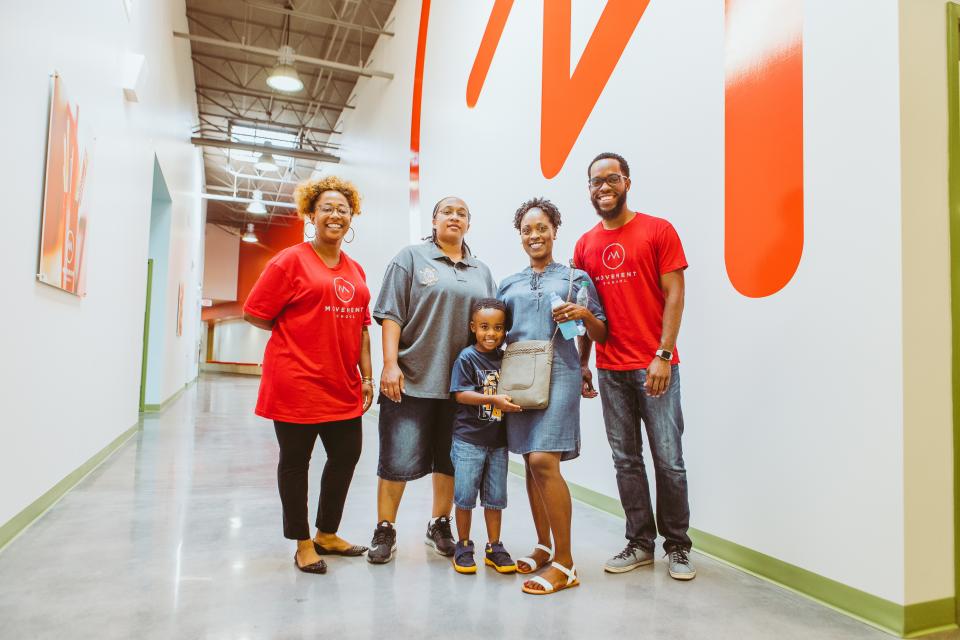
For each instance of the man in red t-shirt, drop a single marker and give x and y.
(636, 262)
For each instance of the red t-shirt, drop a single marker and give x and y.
(625, 265)
(310, 366)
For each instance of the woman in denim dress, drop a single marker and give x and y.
(545, 437)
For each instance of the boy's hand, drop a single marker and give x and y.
(502, 402)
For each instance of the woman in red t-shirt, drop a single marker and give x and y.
(317, 377)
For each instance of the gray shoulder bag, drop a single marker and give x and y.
(526, 368)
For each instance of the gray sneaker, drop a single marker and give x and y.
(632, 556)
(383, 545)
(680, 567)
(440, 537)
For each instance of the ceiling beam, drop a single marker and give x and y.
(279, 97)
(317, 62)
(191, 12)
(243, 146)
(315, 18)
(272, 126)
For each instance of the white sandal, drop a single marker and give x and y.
(530, 562)
(572, 581)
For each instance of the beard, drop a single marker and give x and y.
(612, 213)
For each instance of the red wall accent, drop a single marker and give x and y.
(251, 262)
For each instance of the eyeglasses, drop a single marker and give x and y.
(612, 179)
(327, 210)
(461, 212)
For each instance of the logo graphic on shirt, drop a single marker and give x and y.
(344, 289)
(614, 255)
(428, 276)
(487, 381)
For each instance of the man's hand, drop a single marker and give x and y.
(658, 377)
(586, 389)
(391, 381)
(503, 402)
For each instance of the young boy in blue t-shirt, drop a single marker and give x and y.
(479, 451)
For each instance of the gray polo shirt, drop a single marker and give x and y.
(430, 296)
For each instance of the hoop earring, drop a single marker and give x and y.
(352, 238)
(309, 225)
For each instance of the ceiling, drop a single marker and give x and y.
(234, 46)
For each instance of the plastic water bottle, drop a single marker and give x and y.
(568, 327)
(583, 299)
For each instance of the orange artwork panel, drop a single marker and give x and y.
(763, 238)
(64, 226)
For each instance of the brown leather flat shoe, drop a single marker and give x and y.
(317, 567)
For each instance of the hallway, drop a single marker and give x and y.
(178, 536)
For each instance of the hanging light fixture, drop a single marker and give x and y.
(257, 205)
(266, 162)
(249, 236)
(284, 76)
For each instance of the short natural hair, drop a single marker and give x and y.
(307, 194)
(537, 203)
(609, 155)
(487, 303)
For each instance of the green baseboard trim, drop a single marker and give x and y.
(157, 408)
(906, 621)
(15, 526)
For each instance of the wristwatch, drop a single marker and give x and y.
(663, 354)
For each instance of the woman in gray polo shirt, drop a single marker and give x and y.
(423, 307)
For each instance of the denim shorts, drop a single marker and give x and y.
(415, 436)
(479, 469)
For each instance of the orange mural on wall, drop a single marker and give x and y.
(763, 206)
(763, 122)
(566, 100)
(64, 226)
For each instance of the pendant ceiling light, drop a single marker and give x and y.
(266, 162)
(249, 236)
(257, 205)
(284, 76)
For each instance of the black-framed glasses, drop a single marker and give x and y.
(612, 179)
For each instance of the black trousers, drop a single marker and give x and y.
(343, 441)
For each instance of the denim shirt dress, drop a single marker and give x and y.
(527, 297)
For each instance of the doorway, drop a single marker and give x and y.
(155, 312)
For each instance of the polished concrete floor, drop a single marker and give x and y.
(178, 535)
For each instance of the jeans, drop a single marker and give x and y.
(625, 404)
(415, 437)
(342, 441)
(479, 469)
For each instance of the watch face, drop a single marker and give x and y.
(664, 354)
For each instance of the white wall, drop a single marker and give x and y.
(794, 403)
(376, 156)
(239, 341)
(221, 262)
(73, 365)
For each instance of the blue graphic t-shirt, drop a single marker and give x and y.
(477, 371)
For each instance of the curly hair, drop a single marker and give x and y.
(537, 203)
(307, 194)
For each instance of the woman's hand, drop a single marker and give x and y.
(391, 381)
(504, 403)
(366, 388)
(571, 311)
